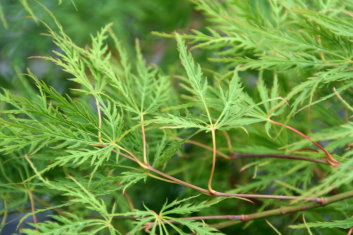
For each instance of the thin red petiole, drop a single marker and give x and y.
(350, 231)
(329, 159)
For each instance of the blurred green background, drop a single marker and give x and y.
(22, 37)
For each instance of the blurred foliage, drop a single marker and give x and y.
(22, 36)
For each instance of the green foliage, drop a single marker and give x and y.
(257, 108)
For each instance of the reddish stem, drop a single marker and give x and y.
(350, 231)
(215, 193)
(329, 159)
(33, 207)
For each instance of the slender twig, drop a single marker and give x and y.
(206, 191)
(160, 178)
(99, 121)
(214, 156)
(302, 207)
(131, 157)
(129, 201)
(341, 99)
(254, 155)
(264, 214)
(120, 153)
(348, 13)
(350, 231)
(329, 159)
(127, 197)
(178, 181)
(33, 206)
(271, 155)
(30, 195)
(141, 164)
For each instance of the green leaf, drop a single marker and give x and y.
(344, 224)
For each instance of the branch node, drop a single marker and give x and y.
(322, 201)
(146, 166)
(282, 211)
(212, 192)
(244, 218)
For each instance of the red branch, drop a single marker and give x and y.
(329, 159)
